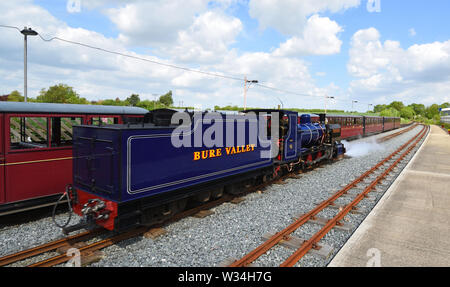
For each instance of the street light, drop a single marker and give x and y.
(245, 90)
(26, 32)
(327, 97)
(368, 106)
(154, 102)
(282, 106)
(352, 104)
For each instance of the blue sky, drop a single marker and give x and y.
(316, 48)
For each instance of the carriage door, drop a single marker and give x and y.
(290, 144)
(2, 159)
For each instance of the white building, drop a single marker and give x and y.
(445, 115)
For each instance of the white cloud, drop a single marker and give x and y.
(206, 40)
(319, 38)
(386, 68)
(412, 32)
(289, 16)
(150, 22)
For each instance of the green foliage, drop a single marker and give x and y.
(60, 93)
(133, 100)
(15, 96)
(379, 108)
(407, 113)
(390, 112)
(419, 109)
(111, 102)
(396, 105)
(432, 111)
(166, 99)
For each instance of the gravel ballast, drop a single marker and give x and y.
(236, 229)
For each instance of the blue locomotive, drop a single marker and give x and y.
(139, 174)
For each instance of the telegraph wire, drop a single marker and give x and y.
(169, 65)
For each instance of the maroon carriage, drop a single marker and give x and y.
(372, 125)
(351, 126)
(36, 148)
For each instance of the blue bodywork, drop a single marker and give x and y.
(309, 133)
(123, 163)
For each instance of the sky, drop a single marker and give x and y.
(304, 53)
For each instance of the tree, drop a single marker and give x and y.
(166, 99)
(15, 96)
(396, 105)
(432, 111)
(445, 105)
(407, 113)
(419, 109)
(390, 112)
(379, 108)
(133, 100)
(60, 93)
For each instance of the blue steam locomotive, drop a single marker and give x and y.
(139, 174)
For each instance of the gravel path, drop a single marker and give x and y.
(234, 229)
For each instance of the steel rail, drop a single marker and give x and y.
(83, 236)
(393, 135)
(308, 245)
(284, 234)
(12, 258)
(90, 248)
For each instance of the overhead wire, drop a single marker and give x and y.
(220, 75)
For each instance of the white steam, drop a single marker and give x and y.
(361, 148)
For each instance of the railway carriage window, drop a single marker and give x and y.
(97, 121)
(62, 130)
(28, 132)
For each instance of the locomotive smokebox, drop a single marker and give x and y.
(322, 117)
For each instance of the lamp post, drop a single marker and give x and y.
(368, 106)
(352, 104)
(26, 32)
(327, 97)
(154, 102)
(246, 88)
(282, 106)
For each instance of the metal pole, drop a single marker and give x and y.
(245, 93)
(25, 69)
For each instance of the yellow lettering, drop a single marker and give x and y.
(233, 150)
(211, 153)
(227, 149)
(247, 148)
(204, 154)
(196, 155)
(219, 152)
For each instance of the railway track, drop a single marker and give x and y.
(378, 175)
(89, 249)
(393, 135)
(47, 247)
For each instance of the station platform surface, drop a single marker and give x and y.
(410, 225)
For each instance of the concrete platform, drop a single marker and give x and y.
(410, 225)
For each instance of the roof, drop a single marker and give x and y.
(445, 109)
(21, 107)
